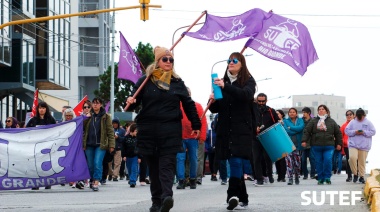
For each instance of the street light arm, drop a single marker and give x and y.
(47, 18)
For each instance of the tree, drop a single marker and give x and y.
(123, 88)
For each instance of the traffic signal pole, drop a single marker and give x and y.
(47, 18)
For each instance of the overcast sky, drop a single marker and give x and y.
(345, 34)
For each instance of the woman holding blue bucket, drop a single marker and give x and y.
(324, 136)
(235, 128)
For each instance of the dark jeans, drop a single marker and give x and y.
(348, 168)
(307, 153)
(262, 162)
(337, 160)
(161, 175)
(107, 158)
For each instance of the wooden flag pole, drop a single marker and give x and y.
(148, 76)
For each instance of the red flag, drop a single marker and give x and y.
(35, 104)
(78, 109)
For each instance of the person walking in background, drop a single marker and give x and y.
(119, 139)
(281, 164)
(294, 127)
(234, 133)
(360, 131)
(349, 117)
(42, 117)
(159, 124)
(323, 135)
(307, 153)
(265, 118)
(129, 153)
(98, 137)
(11, 122)
(191, 144)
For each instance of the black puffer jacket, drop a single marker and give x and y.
(234, 133)
(159, 121)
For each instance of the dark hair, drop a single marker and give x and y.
(243, 75)
(21, 124)
(44, 105)
(306, 110)
(98, 100)
(14, 122)
(87, 102)
(326, 108)
(292, 108)
(360, 113)
(281, 112)
(133, 127)
(350, 111)
(262, 95)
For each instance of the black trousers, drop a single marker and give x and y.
(161, 175)
(122, 169)
(143, 169)
(281, 168)
(262, 163)
(348, 168)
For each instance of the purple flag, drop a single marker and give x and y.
(129, 66)
(42, 156)
(285, 40)
(230, 28)
(108, 106)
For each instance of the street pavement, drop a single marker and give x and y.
(210, 196)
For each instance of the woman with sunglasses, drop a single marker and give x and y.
(86, 108)
(159, 124)
(235, 126)
(349, 117)
(11, 122)
(42, 117)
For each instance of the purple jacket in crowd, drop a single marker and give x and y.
(360, 142)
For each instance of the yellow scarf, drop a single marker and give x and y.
(161, 78)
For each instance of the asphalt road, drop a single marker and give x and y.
(210, 196)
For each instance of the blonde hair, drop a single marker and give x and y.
(68, 111)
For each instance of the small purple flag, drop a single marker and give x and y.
(42, 156)
(108, 106)
(285, 40)
(230, 28)
(129, 66)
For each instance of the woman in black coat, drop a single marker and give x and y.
(235, 132)
(159, 136)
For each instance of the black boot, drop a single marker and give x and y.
(181, 184)
(193, 183)
(233, 191)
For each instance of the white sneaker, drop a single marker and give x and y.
(73, 186)
(266, 179)
(242, 206)
(142, 183)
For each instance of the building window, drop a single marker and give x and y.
(341, 105)
(298, 104)
(314, 104)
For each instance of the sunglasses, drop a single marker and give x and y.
(8, 121)
(86, 107)
(68, 115)
(165, 59)
(349, 114)
(235, 61)
(261, 101)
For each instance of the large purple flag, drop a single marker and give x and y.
(42, 156)
(129, 66)
(285, 40)
(230, 28)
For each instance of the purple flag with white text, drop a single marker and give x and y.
(285, 40)
(42, 156)
(230, 28)
(129, 66)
